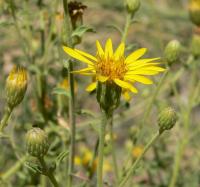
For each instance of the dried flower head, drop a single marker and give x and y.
(76, 11)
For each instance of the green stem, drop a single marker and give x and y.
(5, 118)
(72, 121)
(135, 164)
(13, 169)
(101, 149)
(186, 118)
(126, 28)
(48, 173)
(113, 150)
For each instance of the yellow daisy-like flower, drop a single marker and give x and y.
(114, 67)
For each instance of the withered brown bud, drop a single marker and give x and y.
(76, 10)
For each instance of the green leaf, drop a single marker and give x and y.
(61, 91)
(112, 26)
(4, 23)
(86, 113)
(61, 156)
(80, 31)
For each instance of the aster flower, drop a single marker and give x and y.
(112, 67)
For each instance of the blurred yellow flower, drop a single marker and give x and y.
(65, 85)
(114, 67)
(77, 160)
(137, 151)
(86, 158)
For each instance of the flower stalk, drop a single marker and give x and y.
(5, 118)
(72, 119)
(135, 164)
(101, 149)
(47, 172)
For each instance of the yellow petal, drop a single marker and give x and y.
(142, 72)
(119, 51)
(76, 55)
(83, 70)
(142, 65)
(100, 51)
(86, 55)
(102, 78)
(108, 48)
(126, 95)
(138, 78)
(132, 63)
(125, 85)
(135, 55)
(88, 74)
(153, 68)
(91, 87)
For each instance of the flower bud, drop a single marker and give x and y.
(37, 142)
(195, 46)
(167, 119)
(172, 51)
(16, 85)
(132, 6)
(108, 96)
(194, 11)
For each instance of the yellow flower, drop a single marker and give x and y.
(77, 160)
(114, 67)
(137, 151)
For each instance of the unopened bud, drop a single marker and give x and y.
(167, 119)
(132, 6)
(108, 96)
(16, 85)
(172, 51)
(194, 11)
(37, 142)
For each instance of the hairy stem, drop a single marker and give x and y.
(72, 121)
(48, 173)
(5, 118)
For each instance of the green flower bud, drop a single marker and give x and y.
(108, 96)
(37, 142)
(195, 46)
(172, 51)
(194, 11)
(167, 119)
(132, 6)
(16, 85)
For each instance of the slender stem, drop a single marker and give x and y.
(5, 118)
(186, 118)
(48, 173)
(101, 149)
(113, 150)
(72, 121)
(135, 164)
(21, 38)
(126, 28)
(13, 169)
